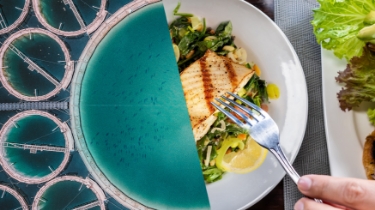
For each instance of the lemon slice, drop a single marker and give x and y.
(246, 160)
(176, 51)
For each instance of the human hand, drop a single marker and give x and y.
(336, 193)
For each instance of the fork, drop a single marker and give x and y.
(261, 127)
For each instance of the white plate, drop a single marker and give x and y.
(345, 131)
(269, 48)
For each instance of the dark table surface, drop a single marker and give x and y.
(275, 199)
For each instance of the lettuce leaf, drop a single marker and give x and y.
(371, 116)
(337, 22)
(359, 81)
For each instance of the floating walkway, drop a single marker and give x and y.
(8, 167)
(76, 13)
(100, 16)
(15, 194)
(45, 105)
(89, 183)
(63, 84)
(6, 29)
(34, 148)
(33, 66)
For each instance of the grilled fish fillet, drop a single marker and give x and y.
(207, 78)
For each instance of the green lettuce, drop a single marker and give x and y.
(336, 25)
(359, 81)
(371, 116)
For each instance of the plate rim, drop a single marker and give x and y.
(293, 156)
(344, 136)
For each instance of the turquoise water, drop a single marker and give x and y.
(9, 12)
(134, 116)
(73, 196)
(42, 50)
(8, 201)
(35, 130)
(56, 12)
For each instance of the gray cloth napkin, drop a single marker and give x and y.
(294, 17)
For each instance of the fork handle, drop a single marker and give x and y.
(280, 156)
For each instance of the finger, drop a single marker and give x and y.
(308, 204)
(353, 193)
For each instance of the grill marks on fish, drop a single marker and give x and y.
(206, 79)
(231, 73)
(207, 83)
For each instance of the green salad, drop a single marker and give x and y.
(191, 39)
(225, 136)
(348, 29)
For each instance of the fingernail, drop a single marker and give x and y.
(298, 205)
(304, 183)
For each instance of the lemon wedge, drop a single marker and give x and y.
(176, 51)
(243, 161)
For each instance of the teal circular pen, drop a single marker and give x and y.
(12, 14)
(59, 15)
(129, 115)
(45, 52)
(11, 198)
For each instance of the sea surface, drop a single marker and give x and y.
(42, 50)
(134, 116)
(74, 194)
(36, 130)
(8, 201)
(56, 13)
(9, 12)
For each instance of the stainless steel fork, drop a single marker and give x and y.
(261, 127)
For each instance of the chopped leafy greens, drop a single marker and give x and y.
(175, 11)
(194, 43)
(193, 39)
(254, 91)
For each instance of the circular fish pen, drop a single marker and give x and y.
(11, 199)
(111, 112)
(70, 17)
(12, 14)
(35, 64)
(35, 146)
(83, 194)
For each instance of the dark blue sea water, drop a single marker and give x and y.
(35, 130)
(42, 50)
(56, 12)
(66, 195)
(8, 201)
(134, 115)
(9, 12)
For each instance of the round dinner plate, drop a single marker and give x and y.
(346, 132)
(269, 48)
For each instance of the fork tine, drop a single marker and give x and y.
(240, 114)
(248, 111)
(228, 114)
(257, 108)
